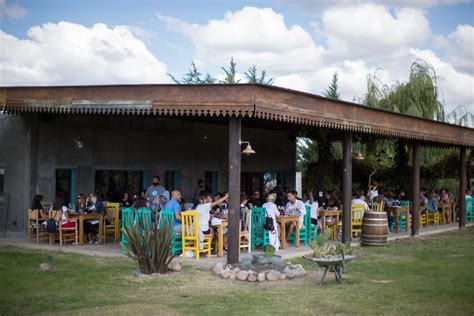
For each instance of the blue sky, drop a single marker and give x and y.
(300, 43)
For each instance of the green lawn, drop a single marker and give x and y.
(427, 275)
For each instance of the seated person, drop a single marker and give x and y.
(91, 227)
(174, 206)
(126, 201)
(360, 199)
(310, 201)
(205, 204)
(81, 205)
(294, 206)
(256, 200)
(36, 205)
(432, 203)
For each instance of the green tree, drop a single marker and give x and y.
(230, 74)
(332, 91)
(252, 76)
(193, 76)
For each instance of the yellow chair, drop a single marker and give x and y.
(379, 207)
(422, 220)
(432, 217)
(357, 213)
(190, 234)
(112, 220)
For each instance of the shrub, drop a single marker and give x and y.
(150, 247)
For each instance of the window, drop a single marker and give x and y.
(2, 180)
(173, 180)
(65, 183)
(211, 182)
(112, 184)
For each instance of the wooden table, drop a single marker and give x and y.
(323, 214)
(283, 220)
(396, 211)
(83, 217)
(220, 236)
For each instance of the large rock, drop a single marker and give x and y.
(226, 274)
(44, 266)
(261, 277)
(294, 271)
(282, 276)
(218, 268)
(232, 275)
(242, 275)
(273, 276)
(175, 266)
(252, 278)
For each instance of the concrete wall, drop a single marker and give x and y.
(126, 142)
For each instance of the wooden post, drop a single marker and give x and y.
(234, 190)
(462, 187)
(347, 188)
(415, 188)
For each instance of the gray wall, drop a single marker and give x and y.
(126, 142)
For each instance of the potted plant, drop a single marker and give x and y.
(268, 256)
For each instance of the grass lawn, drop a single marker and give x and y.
(426, 275)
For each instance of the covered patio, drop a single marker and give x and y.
(244, 112)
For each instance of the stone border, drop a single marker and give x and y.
(235, 273)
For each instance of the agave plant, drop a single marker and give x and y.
(150, 247)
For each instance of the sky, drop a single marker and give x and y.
(299, 43)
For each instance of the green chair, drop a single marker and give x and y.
(167, 216)
(259, 235)
(128, 218)
(469, 209)
(312, 229)
(144, 218)
(402, 217)
(304, 231)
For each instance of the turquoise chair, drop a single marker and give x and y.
(144, 218)
(313, 229)
(258, 233)
(402, 218)
(128, 218)
(469, 209)
(304, 231)
(167, 216)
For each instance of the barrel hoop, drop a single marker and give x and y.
(374, 219)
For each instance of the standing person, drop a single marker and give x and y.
(175, 206)
(91, 227)
(154, 190)
(294, 207)
(272, 211)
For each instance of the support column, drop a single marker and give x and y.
(234, 190)
(415, 188)
(462, 187)
(347, 188)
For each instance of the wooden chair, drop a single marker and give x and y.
(245, 238)
(432, 217)
(64, 234)
(190, 234)
(35, 225)
(357, 213)
(167, 217)
(112, 220)
(422, 219)
(379, 207)
(469, 209)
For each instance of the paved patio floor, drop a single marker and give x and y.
(111, 249)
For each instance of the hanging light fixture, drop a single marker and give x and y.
(248, 149)
(78, 143)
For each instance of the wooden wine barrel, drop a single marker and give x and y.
(374, 229)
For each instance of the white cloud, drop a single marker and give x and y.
(460, 51)
(251, 36)
(370, 30)
(68, 53)
(13, 11)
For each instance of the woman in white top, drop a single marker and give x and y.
(310, 201)
(272, 211)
